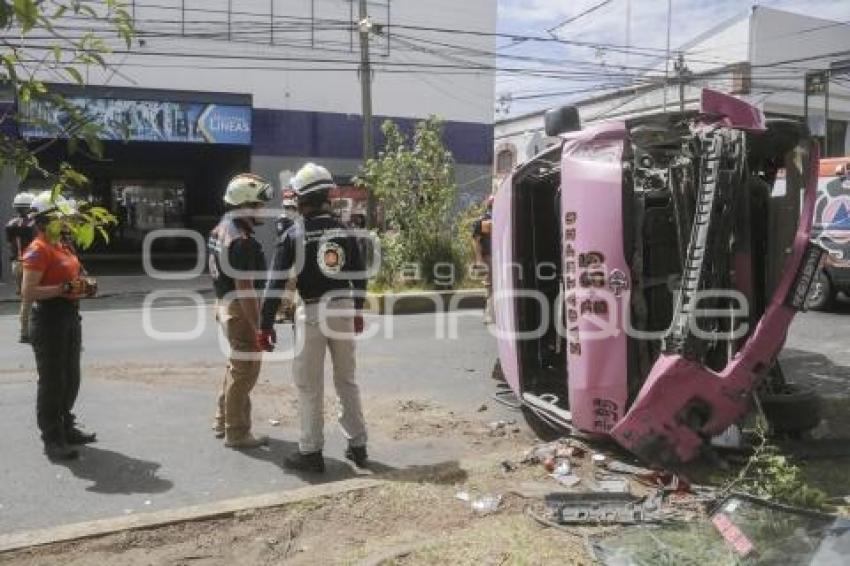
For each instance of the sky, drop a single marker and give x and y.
(607, 25)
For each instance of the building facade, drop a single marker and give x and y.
(214, 87)
(762, 56)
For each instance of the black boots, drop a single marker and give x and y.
(76, 436)
(357, 454)
(59, 446)
(58, 450)
(309, 462)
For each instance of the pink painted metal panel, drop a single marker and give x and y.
(735, 112)
(655, 427)
(592, 236)
(504, 285)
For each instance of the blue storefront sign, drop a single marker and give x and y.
(143, 120)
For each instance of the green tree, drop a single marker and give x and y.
(36, 44)
(414, 181)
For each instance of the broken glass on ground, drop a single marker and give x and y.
(743, 530)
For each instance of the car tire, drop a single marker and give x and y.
(791, 411)
(821, 293)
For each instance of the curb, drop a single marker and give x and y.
(422, 302)
(409, 302)
(221, 509)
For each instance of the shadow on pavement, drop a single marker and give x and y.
(113, 472)
(817, 370)
(277, 449)
(336, 470)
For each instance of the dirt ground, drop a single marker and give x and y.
(415, 517)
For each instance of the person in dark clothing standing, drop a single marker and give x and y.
(289, 202)
(332, 287)
(19, 234)
(482, 231)
(286, 311)
(235, 259)
(53, 282)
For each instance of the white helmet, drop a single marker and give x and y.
(44, 203)
(22, 200)
(312, 178)
(247, 188)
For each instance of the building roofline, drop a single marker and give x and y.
(635, 90)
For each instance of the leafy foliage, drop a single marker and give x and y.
(35, 44)
(770, 474)
(414, 179)
(81, 221)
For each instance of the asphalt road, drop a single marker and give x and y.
(156, 449)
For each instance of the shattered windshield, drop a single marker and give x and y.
(741, 531)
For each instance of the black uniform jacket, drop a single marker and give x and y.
(330, 258)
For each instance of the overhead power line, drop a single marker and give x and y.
(579, 15)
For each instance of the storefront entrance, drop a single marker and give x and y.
(152, 186)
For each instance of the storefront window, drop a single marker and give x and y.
(144, 206)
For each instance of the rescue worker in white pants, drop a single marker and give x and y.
(332, 286)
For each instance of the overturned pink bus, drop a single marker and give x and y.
(645, 277)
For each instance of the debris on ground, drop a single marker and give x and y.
(567, 480)
(486, 504)
(577, 508)
(503, 427)
(483, 504)
(623, 468)
(741, 528)
(611, 486)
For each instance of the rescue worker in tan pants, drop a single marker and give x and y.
(331, 283)
(237, 266)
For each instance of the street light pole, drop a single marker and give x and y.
(365, 29)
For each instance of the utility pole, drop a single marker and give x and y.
(365, 28)
(682, 73)
(667, 53)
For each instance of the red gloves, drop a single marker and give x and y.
(358, 324)
(266, 339)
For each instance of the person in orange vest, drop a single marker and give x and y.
(53, 280)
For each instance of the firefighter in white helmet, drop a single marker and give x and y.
(332, 284)
(19, 233)
(237, 265)
(55, 282)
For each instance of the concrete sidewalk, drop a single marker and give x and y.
(124, 291)
(128, 285)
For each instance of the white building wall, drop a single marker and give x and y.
(316, 57)
(726, 46)
(779, 37)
